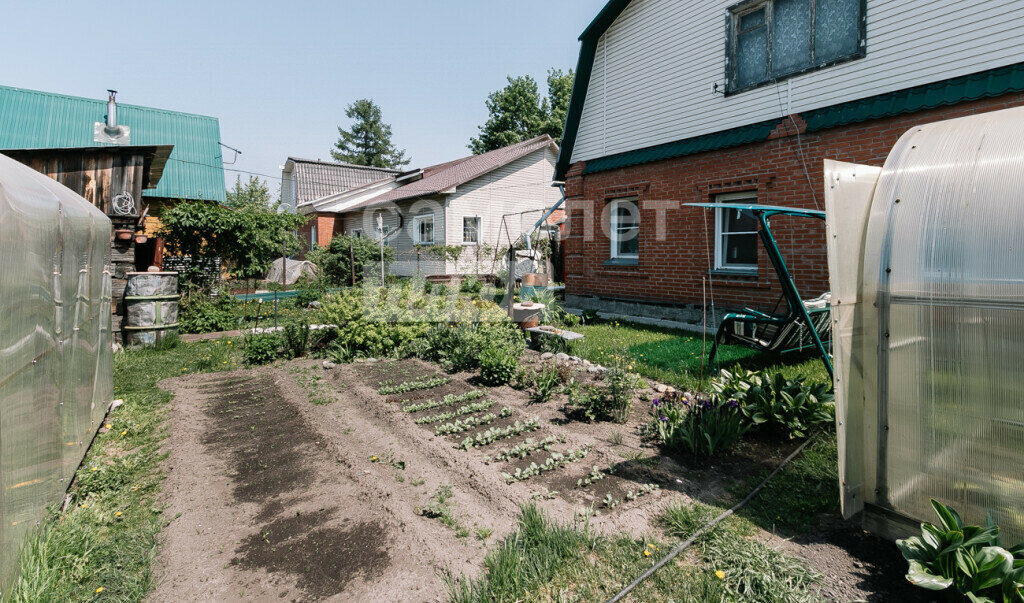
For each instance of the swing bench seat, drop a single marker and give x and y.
(774, 333)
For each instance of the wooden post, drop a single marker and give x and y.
(352, 264)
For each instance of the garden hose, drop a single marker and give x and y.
(711, 524)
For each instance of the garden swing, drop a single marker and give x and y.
(806, 324)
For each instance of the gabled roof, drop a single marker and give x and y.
(30, 119)
(445, 176)
(315, 179)
(343, 201)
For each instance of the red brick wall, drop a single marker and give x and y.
(327, 225)
(674, 264)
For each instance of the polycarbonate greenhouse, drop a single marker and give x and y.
(926, 260)
(55, 354)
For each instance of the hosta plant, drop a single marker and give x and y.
(772, 402)
(966, 558)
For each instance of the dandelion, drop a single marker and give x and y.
(720, 574)
(647, 553)
(82, 505)
(124, 432)
(99, 590)
(118, 514)
(93, 469)
(652, 546)
(134, 488)
(108, 426)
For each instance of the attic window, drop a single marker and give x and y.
(774, 39)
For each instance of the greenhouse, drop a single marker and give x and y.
(926, 259)
(55, 346)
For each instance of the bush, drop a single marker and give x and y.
(498, 365)
(776, 404)
(698, 425)
(296, 339)
(335, 264)
(262, 348)
(199, 314)
(310, 290)
(968, 558)
(610, 402)
(471, 285)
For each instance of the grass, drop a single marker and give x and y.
(441, 509)
(673, 356)
(102, 547)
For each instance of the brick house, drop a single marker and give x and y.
(673, 104)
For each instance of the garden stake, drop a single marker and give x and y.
(708, 526)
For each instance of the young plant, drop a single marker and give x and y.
(439, 508)
(388, 459)
(643, 490)
(595, 475)
(524, 449)
(449, 400)
(462, 410)
(543, 493)
(557, 460)
(461, 425)
(499, 433)
(970, 559)
(416, 384)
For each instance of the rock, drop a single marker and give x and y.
(328, 365)
(116, 404)
(116, 347)
(593, 369)
(576, 359)
(660, 388)
(371, 360)
(670, 390)
(546, 355)
(586, 362)
(314, 304)
(561, 357)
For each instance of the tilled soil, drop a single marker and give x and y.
(274, 497)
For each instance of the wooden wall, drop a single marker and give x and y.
(98, 177)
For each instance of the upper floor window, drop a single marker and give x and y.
(773, 39)
(624, 216)
(736, 238)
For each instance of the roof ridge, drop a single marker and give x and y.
(344, 164)
(104, 102)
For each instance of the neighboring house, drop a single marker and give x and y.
(44, 121)
(308, 183)
(717, 101)
(480, 202)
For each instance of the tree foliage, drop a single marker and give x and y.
(368, 142)
(518, 112)
(334, 262)
(247, 236)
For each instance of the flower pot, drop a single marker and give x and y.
(140, 239)
(124, 234)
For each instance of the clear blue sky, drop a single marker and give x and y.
(279, 75)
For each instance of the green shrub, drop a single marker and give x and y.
(773, 403)
(968, 558)
(609, 402)
(546, 383)
(311, 290)
(335, 264)
(698, 425)
(262, 348)
(471, 285)
(296, 339)
(199, 314)
(498, 365)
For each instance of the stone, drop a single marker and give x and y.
(328, 365)
(116, 404)
(576, 359)
(593, 369)
(371, 360)
(561, 357)
(670, 390)
(546, 355)
(586, 362)
(661, 388)
(314, 304)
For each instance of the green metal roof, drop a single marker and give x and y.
(30, 119)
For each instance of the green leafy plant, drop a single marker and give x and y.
(498, 365)
(296, 339)
(471, 285)
(557, 460)
(697, 425)
(595, 475)
(462, 410)
(609, 402)
(336, 263)
(449, 400)
(772, 402)
(262, 348)
(461, 425)
(200, 314)
(494, 434)
(415, 384)
(968, 558)
(546, 383)
(524, 449)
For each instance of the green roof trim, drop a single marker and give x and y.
(689, 146)
(30, 119)
(984, 84)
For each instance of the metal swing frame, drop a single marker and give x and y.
(779, 333)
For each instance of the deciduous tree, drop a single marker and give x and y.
(518, 112)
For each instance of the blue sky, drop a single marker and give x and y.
(279, 75)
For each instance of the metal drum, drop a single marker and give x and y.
(151, 307)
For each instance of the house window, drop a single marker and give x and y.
(423, 227)
(357, 233)
(736, 238)
(774, 39)
(624, 217)
(471, 230)
(313, 243)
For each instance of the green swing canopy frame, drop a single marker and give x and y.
(799, 317)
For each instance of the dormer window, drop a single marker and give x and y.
(771, 40)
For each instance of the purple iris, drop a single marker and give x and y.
(686, 401)
(663, 418)
(733, 403)
(656, 403)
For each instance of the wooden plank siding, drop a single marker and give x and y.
(656, 65)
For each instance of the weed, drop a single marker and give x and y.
(389, 459)
(483, 533)
(616, 438)
(439, 508)
(545, 384)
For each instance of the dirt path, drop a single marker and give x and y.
(297, 483)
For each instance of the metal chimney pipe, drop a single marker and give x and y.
(111, 112)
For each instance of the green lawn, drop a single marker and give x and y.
(102, 547)
(675, 357)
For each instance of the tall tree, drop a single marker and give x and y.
(518, 112)
(368, 142)
(253, 193)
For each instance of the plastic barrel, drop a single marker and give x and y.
(151, 307)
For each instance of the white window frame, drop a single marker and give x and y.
(357, 233)
(750, 198)
(613, 231)
(416, 222)
(479, 230)
(314, 240)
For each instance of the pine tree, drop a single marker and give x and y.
(369, 140)
(518, 112)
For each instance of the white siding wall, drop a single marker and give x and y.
(656, 65)
(403, 242)
(522, 185)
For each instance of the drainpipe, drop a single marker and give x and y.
(561, 188)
